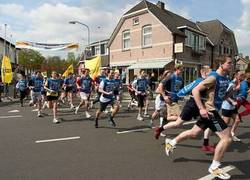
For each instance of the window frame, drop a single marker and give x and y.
(126, 39)
(148, 34)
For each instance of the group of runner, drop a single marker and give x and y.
(211, 92)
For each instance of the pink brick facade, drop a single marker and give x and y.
(162, 42)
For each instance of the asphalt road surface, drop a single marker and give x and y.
(32, 148)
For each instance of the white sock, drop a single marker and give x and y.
(161, 121)
(215, 164)
(173, 142)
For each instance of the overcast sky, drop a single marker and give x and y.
(47, 20)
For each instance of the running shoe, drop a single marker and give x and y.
(139, 118)
(218, 172)
(72, 107)
(87, 115)
(236, 139)
(146, 115)
(163, 135)
(208, 148)
(39, 114)
(56, 121)
(168, 147)
(77, 109)
(158, 131)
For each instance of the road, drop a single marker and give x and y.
(105, 153)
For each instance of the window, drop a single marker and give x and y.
(197, 42)
(147, 36)
(97, 50)
(202, 43)
(126, 40)
(136, 21)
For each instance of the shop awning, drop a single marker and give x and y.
(154, 64)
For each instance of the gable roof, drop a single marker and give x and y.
(169, 19)
(214, 29)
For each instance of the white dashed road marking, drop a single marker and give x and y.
(7, 117)
(13, 111)
(59, 139)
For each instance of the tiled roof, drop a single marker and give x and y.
(171, 20)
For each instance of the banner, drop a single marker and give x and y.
(46, 47)
(93, 65)
(69, 70)
(6, 70)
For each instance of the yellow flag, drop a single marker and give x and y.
(6, 70)
(94, 65)
(44, 74)
(69, 70)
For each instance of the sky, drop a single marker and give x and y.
(46, 21)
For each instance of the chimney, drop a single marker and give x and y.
(160, 5)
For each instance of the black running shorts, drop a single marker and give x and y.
(229, 113)
(141, 99)
(189, 111)
(214, 122)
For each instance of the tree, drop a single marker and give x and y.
(30, 59)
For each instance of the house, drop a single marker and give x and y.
(222, 41)
(150, 37)
(242, 63)
(100, 48)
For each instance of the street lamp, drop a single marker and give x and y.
(77, 22)
(4, 52)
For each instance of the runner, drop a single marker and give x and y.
(68, 86)
(85, 86)
(118, 87)
(173, 85)
(215, 87)
(140, 86)
(229, 106)
(160, 101)
(98, 80)
(22, 86)
(242, 97)
(53, 87)
(133, 101)
(36, 84)
(106, 89)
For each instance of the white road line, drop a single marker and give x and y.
(134, 130)
(210, 176)
(35, 110)
(6, 117)
(146, 129)
(59, 139)
(13, 111)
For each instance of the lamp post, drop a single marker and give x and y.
(4, 44)
(77, 22)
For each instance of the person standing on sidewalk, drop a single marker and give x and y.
(1, 88)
